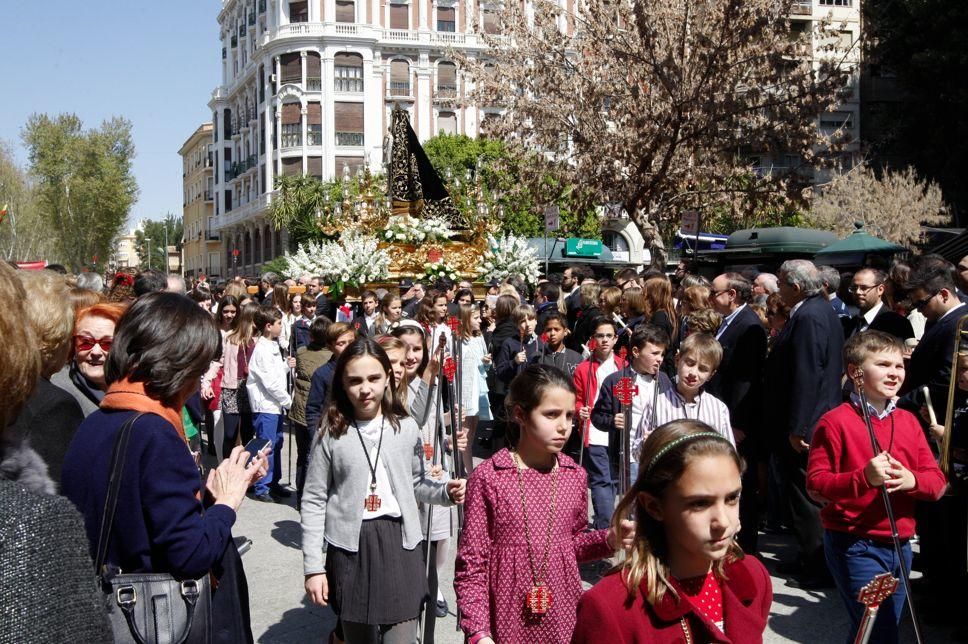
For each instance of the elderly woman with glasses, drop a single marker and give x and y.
(83, 377)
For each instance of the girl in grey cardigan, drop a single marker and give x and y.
(361, 527)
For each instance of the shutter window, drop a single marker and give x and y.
(291, 166)
(353, 163)
(349, 124)
(490, 22)
(314, 167)
(398, 16)
(345, 11)
(399, 78)
(314, 127)
(291, 67)
(447, 80)
(446, 19)
(299, 11)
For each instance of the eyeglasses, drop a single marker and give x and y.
(920, 304)
(86, 343)
(718, 293)
(861, 288)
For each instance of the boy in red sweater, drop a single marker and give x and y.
(845, 474)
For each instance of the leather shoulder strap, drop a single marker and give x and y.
(118, 456)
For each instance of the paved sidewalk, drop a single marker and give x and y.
(282, 615)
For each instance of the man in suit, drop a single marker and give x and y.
(738, 382)
(365, 322)
(570, 287)
(803, 373)
(831, 284)
(868, 289)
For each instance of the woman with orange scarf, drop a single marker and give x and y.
(162, 346)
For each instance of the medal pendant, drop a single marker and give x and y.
(372, 503)
(428, 451)
(538, 600)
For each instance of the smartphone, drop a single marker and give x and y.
(254, 446)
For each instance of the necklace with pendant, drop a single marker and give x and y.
(372, 502)
(538, 599)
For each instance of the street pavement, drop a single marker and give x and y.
(282, 615)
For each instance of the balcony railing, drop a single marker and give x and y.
(399, 88)
(802, 8)
(211, 235)
(349, 139)
(446, 91)
(348, 85)
(291, 140)
(314, 84)
(314, 137)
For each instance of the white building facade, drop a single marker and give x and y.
(308, 87)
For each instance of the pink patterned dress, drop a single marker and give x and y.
(493, 574)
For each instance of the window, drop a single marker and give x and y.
(399, 78)
(314, 75)
(446, 19)
(349, 124)
(353, 164)
(490, 22)
(345, 11)
(844, 40)
(314, 128)
(291, 125)
(836, 3)
(291, 65)
(348, 72)
(447, 123)
(447, 80)
(834, 121)
(314, 167)
(399, 16)
(299, 11)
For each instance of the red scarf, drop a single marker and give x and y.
(125, 394)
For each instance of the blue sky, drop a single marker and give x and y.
(154, 63)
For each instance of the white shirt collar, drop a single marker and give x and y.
(879, 415)
(948, 312)
(870, 315)
(796, 307)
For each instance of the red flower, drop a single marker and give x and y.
(592, 344)
(544, 338)
(124, 279)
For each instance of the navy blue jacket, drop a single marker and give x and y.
(930, 364)
(803, 370)
(319, 386)
(300, 332)
(159, 525)
(607, 407)
(507, 368)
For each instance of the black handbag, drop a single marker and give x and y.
(148, 608)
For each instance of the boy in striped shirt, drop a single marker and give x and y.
(699, 357)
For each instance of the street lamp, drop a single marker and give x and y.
(148, 246)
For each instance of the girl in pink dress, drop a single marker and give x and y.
(525, 524)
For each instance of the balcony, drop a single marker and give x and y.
(251, 162)
(242, 212)
(349, 139)
(262, 6)
(802, 8)
(211, 235)
(314, 84)
(208, 195)
(291, 141)
(400, 88)
(446, 91)
(401, 35)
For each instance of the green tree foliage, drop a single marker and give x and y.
(917, 99)
(152, 234)
(519, 207)
(23, 236)
(85, 187)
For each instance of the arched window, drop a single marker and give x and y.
(399, 78)
(615, 241)
(348, 72)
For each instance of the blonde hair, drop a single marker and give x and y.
(21, 361)
(50, 312)
(465, 313)
(704, 347)
(664, 457)
(392, 343)
(704, 321)
(523, 312)
(236, 289)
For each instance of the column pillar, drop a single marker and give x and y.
(304, 125)
(329, 115)
(422, 97)
(372, 113)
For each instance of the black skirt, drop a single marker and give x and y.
(382, 583)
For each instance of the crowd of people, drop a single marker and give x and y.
(658, 422)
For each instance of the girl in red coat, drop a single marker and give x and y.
(685, 580)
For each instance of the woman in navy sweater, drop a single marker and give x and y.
(163, 345)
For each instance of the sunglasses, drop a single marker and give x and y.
(86, 343)
(920, 304)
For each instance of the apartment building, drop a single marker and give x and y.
(308, 86)
(201, 250)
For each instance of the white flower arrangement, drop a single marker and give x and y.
(405, 229)
(355, 259)
(510, 256)
(434, 271)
